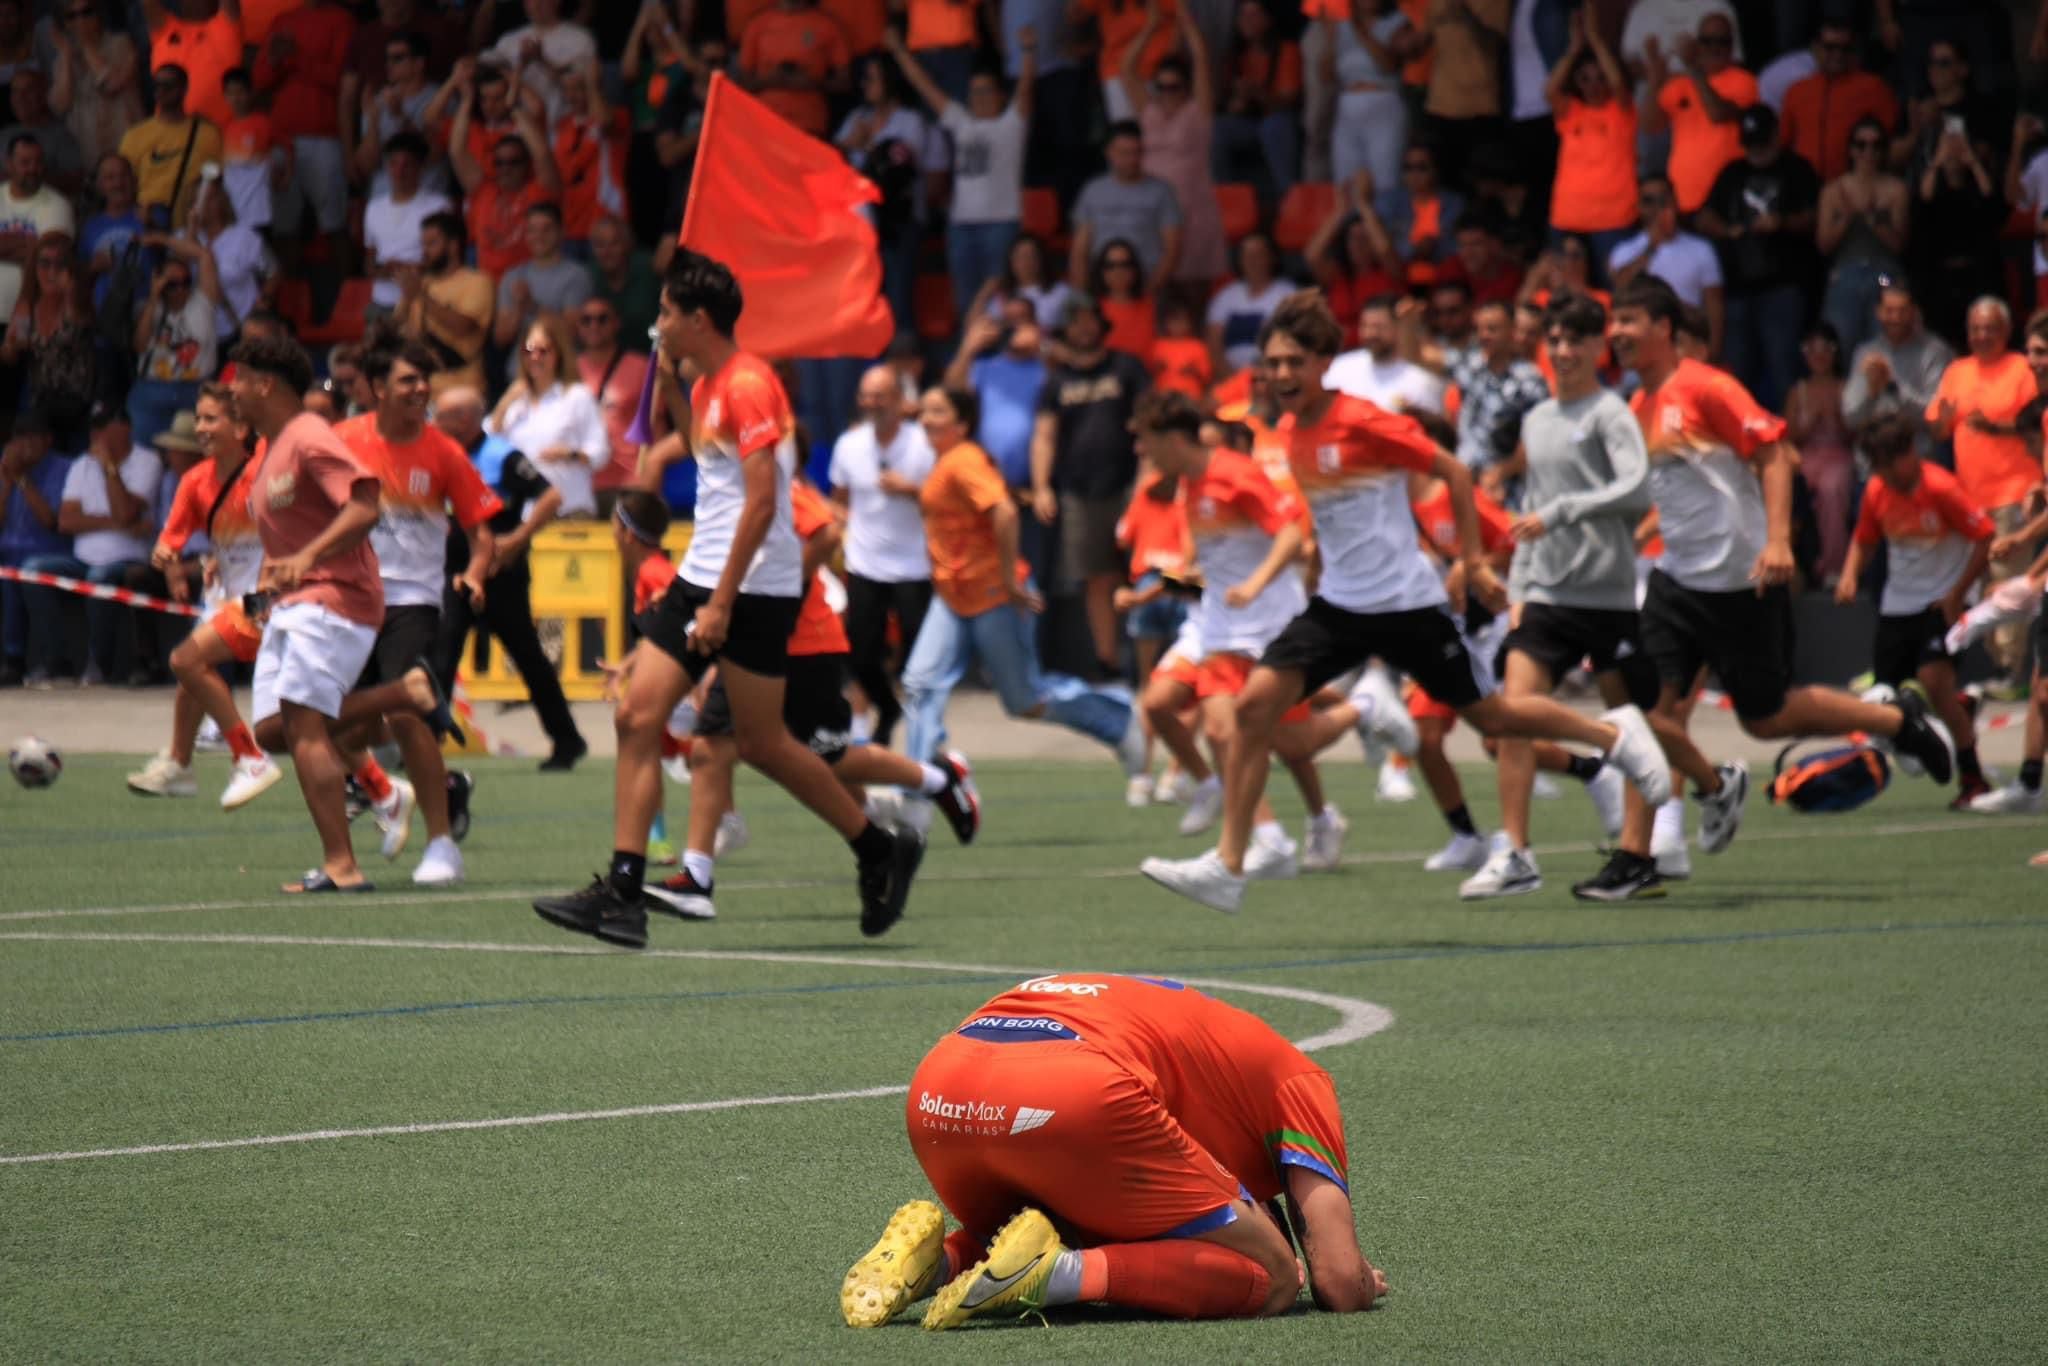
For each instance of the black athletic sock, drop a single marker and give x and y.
(872, 843)
(1585, 767)
(2030, 775)
(1460, 822)
(1966, 764)
(629, 872)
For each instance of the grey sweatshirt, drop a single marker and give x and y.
(1589, 480)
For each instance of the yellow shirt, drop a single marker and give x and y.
(468, 292)
(155, 149)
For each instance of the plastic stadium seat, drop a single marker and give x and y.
(1239, 206)
(933, 309)
(1305, 209)
(294, 302)
(348, 321)
(1041, 217)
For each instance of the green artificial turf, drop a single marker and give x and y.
(1793, 1113)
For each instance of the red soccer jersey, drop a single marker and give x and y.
(1234, 513)
(1155, 530)
(739, 414)
(1702, 429)
(422, 479)
(1931, 531)
(1440, 525)
(307, 476)
(237, 553)
(657, 572)
(818, 628)
(1353, 465)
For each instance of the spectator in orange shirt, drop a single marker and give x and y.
(1594, 193)
(791, 56)
(1258, 129)
(1821, 110)
(1701, 106)
(941, 36)
(1118, 24)
(1117, 285)
(1180, 359)
(522, 174)
(590, 141)
(300, 68)
(205, 39)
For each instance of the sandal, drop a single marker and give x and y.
(316, 880)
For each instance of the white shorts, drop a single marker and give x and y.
(319, 178)
(1186, 645)
(311, 657)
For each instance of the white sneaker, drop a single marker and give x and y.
(164, 776)
(209, 740)
(1721, 814)
(1130, 751)
(394, 817)
(1323, 841)
(1605, 792)
(441, 865)
(1396, 783)
(1464, 854)
(1267, 860)
(1545, 788)
(1174, 788)
(676, 768)
(1202, 878)
(2010, 800)
(252, 778)
(1138, 792)
(1203, 807)
(1507, 872)
(732, 836)
(1674, 860)
(1381, 715)
(1638, 755)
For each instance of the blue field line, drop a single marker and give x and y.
(1347, 960)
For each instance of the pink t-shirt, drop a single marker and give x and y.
(307, 477)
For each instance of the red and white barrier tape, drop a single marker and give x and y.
(105, 592)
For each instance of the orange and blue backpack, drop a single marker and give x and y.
(1838, 779)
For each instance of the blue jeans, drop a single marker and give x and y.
(1270, 146)
(975, 254)
(103, 620)
(1159, 619)
(1851, 302)
(1762, 347)
(152, 403)
(1003, 639)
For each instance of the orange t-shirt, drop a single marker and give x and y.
(1819, 113)
(1277, 73)
(247, 138)
(1133, 325)
(1595, 189)
(423, 478)
(497, 225)
(657, 572)
(259, 15)
(818, 628)
(206, 50)
(1120, 22)
(1416, 72)
(1439, 523)
(809, 40)
(1156, 530)
(862, 20)
(592, 164)
(1232, 399)
(1700, 147)
(309, 474)
(940, 23)
(963, 489)
(1270, 450)
(1181, 365)
(1996, 471)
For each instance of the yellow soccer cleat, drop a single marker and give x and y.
(900, 1268)
(1008, 1283)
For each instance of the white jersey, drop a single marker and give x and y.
(1234, 512)
(739, 414)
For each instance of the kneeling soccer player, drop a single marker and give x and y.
(1116, 1140)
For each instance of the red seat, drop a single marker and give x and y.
(1305, 209)
(294, 302)
(348, 321)
(934, 311)
(1040, 216)
(1239, 207)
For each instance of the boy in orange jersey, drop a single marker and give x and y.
(1154, 529)
(1377, 595)
(1940, 546)
(1118, 1140)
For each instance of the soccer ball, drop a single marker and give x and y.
(34, 763)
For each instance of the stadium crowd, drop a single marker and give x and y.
(1079, 201)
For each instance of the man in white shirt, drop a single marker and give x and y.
(877, 470)
(28, 209)
(1376, 372)
(1683, 260)
(108, 511)
(547, 43)
(393, 219)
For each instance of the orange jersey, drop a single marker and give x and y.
(238, 554)
(423, 478)
(1133, 325)
(1234, 514)
(656, 573)
(809, 40)
(1931, 532)
(1181, 365)
(1119, 22)
(1233, 397)
(1702, 429)
(1269, 448)
(739, 414)
(1440, 524)
(818, 628)
(1156, 531)
(1996, 471)
(247, 138)
(964, 488)
(1352, 465)
(1700, 147)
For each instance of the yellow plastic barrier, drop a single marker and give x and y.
(580, 600)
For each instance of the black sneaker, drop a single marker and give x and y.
(683, 897)
(599, 911)
(885, 883)
(1627, 877)
(960, 801)
(564, 758)
(355, 801)
(460, 785)
(1919, 739)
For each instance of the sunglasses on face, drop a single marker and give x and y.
(1941, 62)
(1170, 88)
(1866, 144)
(1837, 47)
(508, 163)
(595, 319)
(1120, 264)
(1414, 167)
(1706, 41)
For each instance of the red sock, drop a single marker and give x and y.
(1181, 1279)
(374, 781)
(963, 1250)
(675, 745)
(242, 743)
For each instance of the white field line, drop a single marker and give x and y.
(1812, 831)
(1357, 1019)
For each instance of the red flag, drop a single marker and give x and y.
(783, 211)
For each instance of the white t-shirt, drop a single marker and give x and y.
(1048, 303)
(988, 164)
(392, 231)
(44, 211)
(1526, 66)
(2034, 184)
(1670, 20)
(241, 262)
(741, 414)
(884, 531)
(182, 347)
(566, 415)
(86, 485)
(1686, 263)
(1241, 313)
(1396, 385)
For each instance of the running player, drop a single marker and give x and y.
(1118, 1140)
(424, 474)
(1721, 478)
(1378, 595)
(1939, 545)
(212, 501)
(735, 601)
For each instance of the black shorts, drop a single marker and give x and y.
(407, 637)
(814, 706)
(756, 634)
(1423, 642)
(1745, 637)
(1906, 643)
(2040, 638)
(1610, 638)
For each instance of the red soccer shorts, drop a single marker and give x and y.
(236, 632)
(1225, 676)
(1422, 706)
